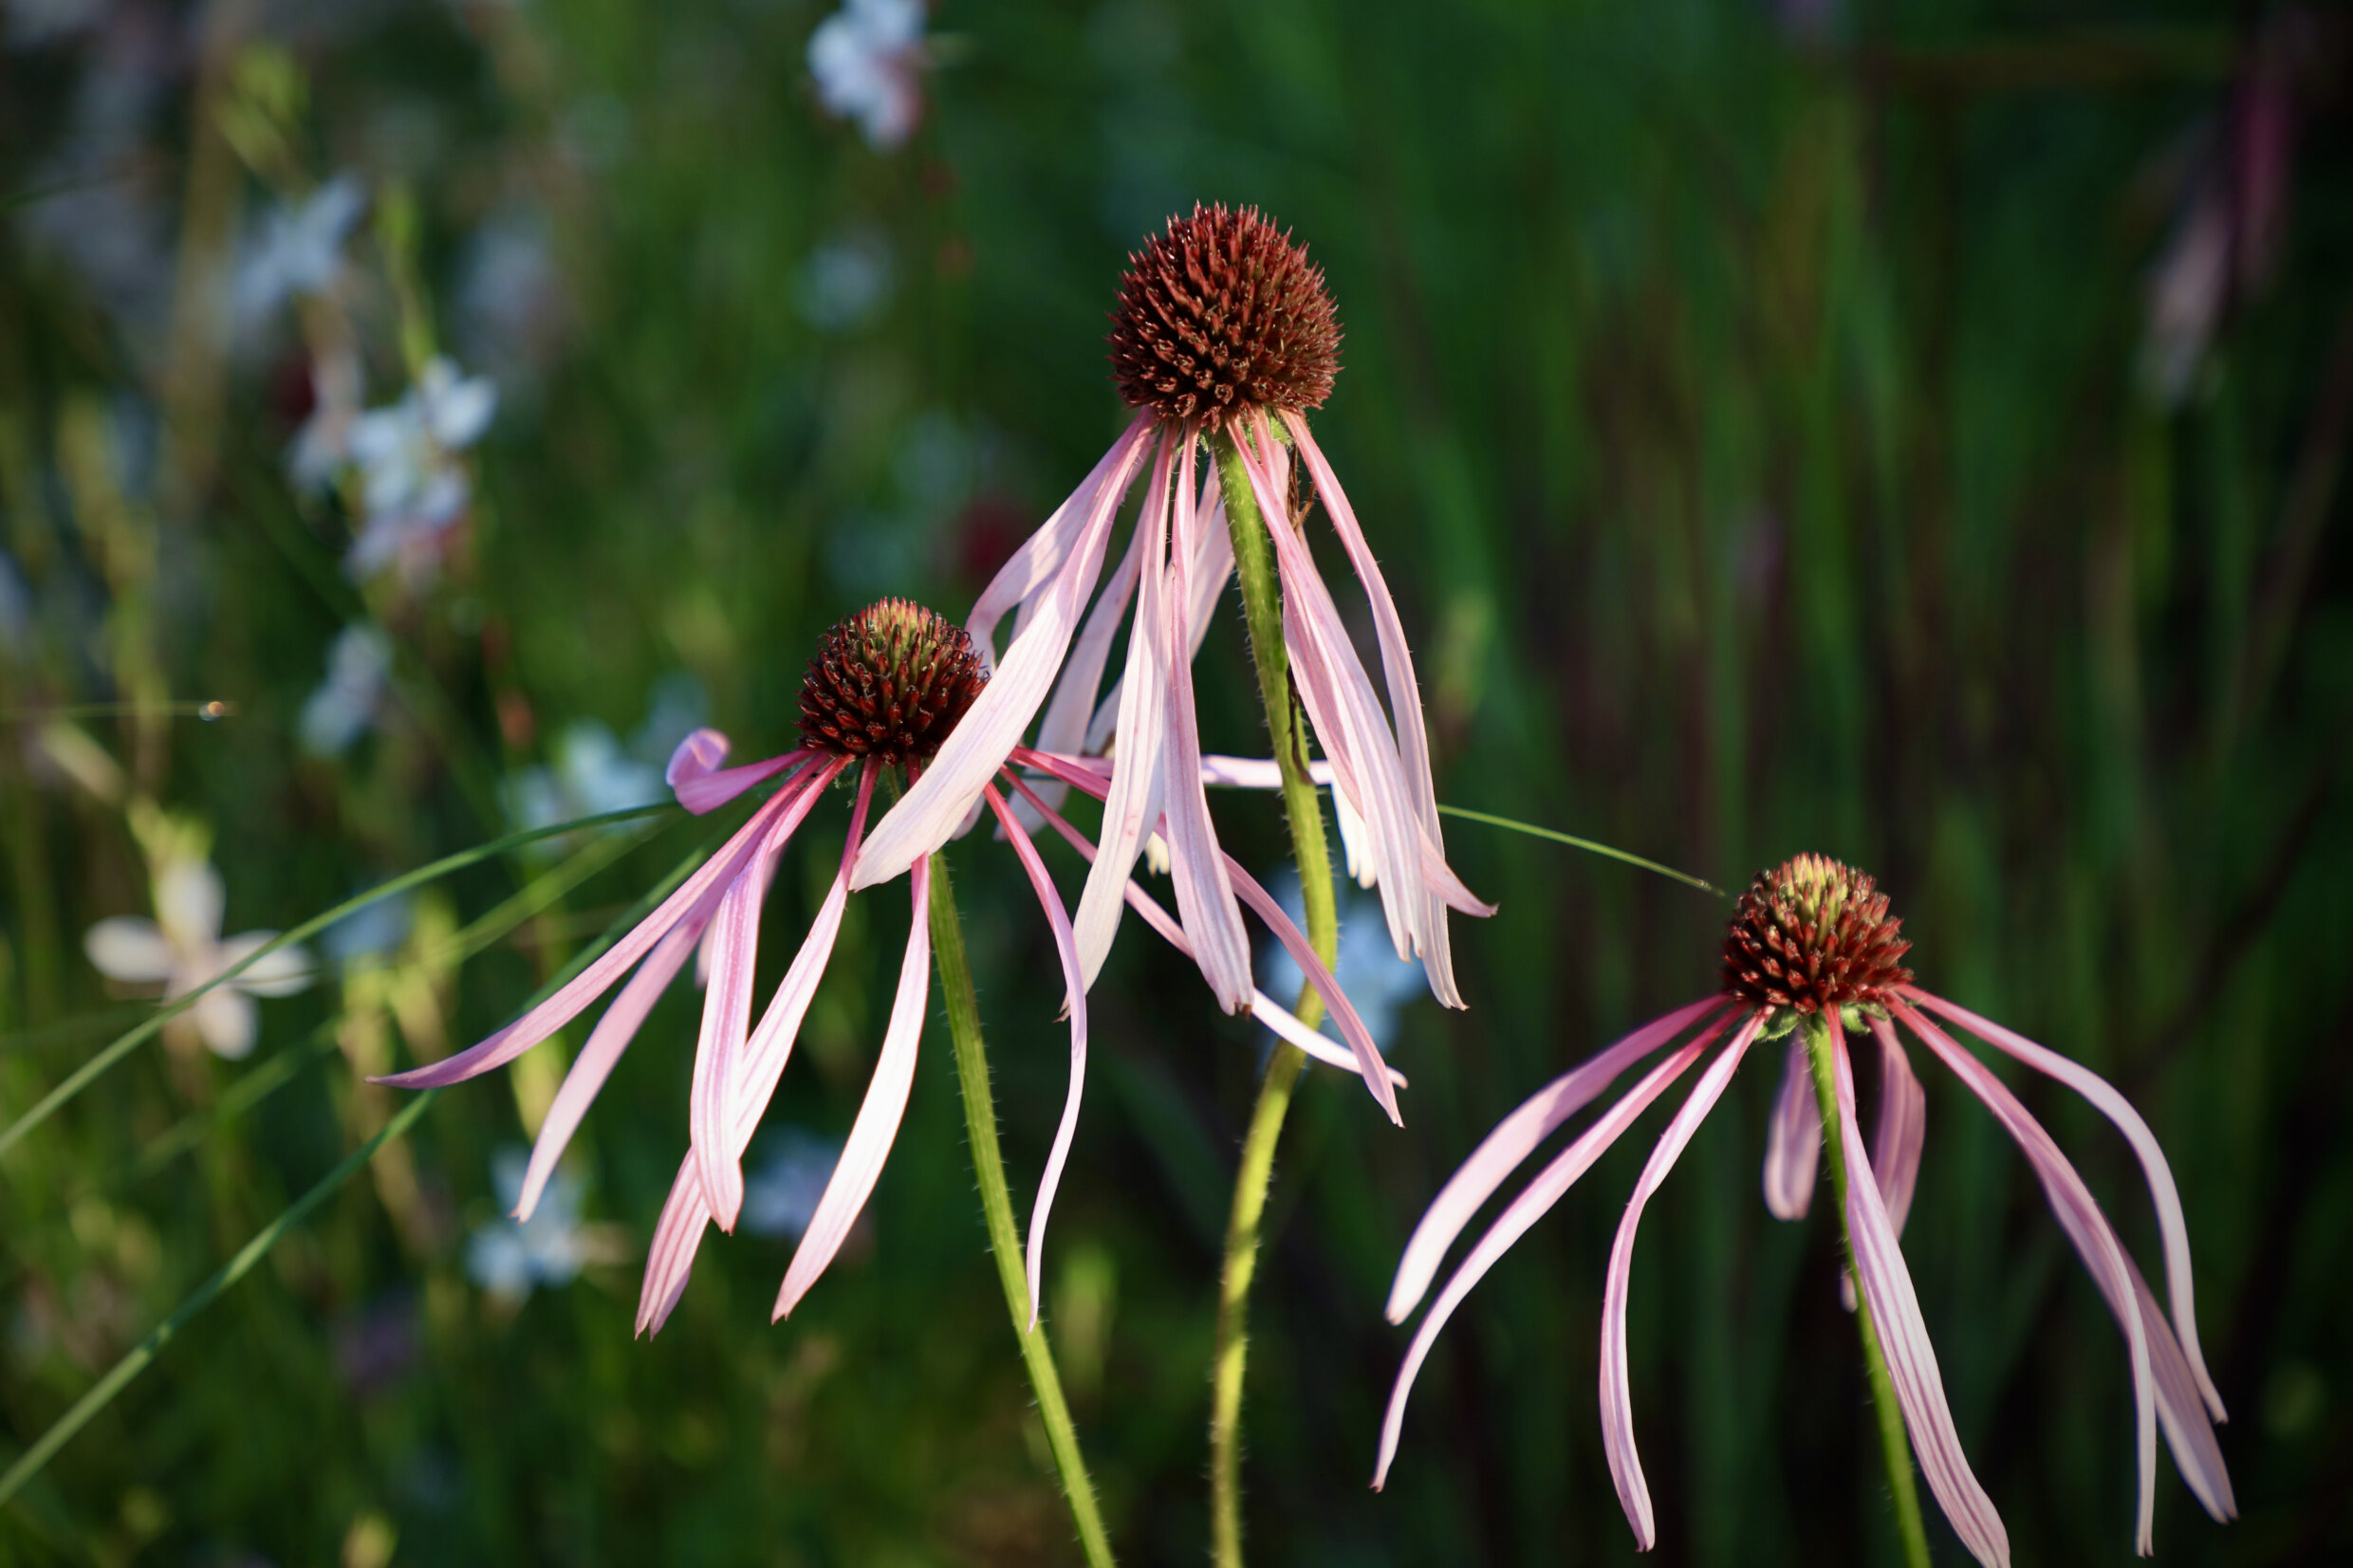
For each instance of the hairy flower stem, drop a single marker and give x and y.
(1894, 1447)
(1255, 563)
(980, 1124)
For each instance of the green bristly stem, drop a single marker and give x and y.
(1262, 603)
(1894, 1447)
(996, 1202)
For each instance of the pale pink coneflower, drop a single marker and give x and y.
(1812, 940)
(1224, 333)
(888, 687)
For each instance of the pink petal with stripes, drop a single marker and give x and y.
(1132, 805)
(707, 792)
(1903, 1336)
(1792, 1140)
(1625, 1463)
(877, 1126)
(1901, 1131)
(2172, 1228)
(1043, 554)
(1535, 1201)
(950, 788)
(1513, 1139)
(677, 1235)
(2078, 1215)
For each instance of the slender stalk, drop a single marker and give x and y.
(996, 1203)
(1262, 603)
(1894, 1449)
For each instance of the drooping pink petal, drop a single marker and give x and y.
(1903, 1337)
(2175, 1230)
(1043, 554)
(696, 756)
(1370, 1066)
(1397, 659)
(1205, 900)
(2189, 1431)
(2078, 1215)
(950, 788)
(726, 1019)
(591, 983)
(594, 1063)
(770, 1046)
(1793, 1139)
(1625, 1463)
(1513, 1139)
(1901, 1131)
(677, 1235)
(706, 792)
(1535, 1201)
(877, 1126)
(1064, 726)
(1263, 1007)
(1133, 804)
(1074, 998)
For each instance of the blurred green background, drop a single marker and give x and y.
(1911, 431)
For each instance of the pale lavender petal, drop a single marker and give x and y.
(1064, 728)
(1902, 1127)
(1211, 568)
(2078, 1215)
(2189, 1431)
(1205, 898)
(1625, 1463)
(1133, 804)
(771, 1046)
(1535, 1201)
(726, 1019)
(950, 788)
(1513, 1139)
(677, 1235)
(1263, 1007)
(1074, 999)
(877, 1126)
(696, 756)
(1903, 1337)
(594, 1063)
(707, 792)
(591, 983)
(1043, 554)
(1793, 1139)
(2180, 1285)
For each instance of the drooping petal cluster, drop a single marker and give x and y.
(1814, 906)
(1224, 335)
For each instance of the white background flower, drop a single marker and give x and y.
(863, 58)
(181, 948)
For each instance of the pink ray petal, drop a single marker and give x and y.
(950, 788)
(1263, 1007)
(696, 756)
(1792, 1140)
(1132, 803)
(1625, 1463)
(2172, 1228)
(594, 1063)
(1901, 1131)
(877, 1126)
(1513, 1139)
(1043, 554)
(591, 983)
(1205, 900)
(1535, 1201)
(1074, 996)
(1065, 725)
(770, 1046)
(677, 1235)
(1370, 1067)
(1903, 1337)
(1397, 659)
(706, 792)
(2189, 1431)
(2078, 1215)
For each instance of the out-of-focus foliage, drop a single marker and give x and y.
(1916, 434)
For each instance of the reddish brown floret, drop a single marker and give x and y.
(890, 683)
(1220, 314)
(1813, 935)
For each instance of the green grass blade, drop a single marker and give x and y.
(1587, 844)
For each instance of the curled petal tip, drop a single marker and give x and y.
(699, 753)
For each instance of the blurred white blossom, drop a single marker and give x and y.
(780, 1192)
(345, 703)
(511, 1260)
(181, 948)
(298, 249)
(1374, 978)
(412, 485)
(864, 58)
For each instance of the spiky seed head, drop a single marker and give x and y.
(1222, 314)
(890, 683)
(1812, 934)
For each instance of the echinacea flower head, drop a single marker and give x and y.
(1813, 945)
(181, 948)
(889, 689)
(1224, 334)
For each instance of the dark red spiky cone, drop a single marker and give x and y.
(1812, 934)
(890, 682)
(1220, 314)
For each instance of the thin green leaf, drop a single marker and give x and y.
(1605, 851)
